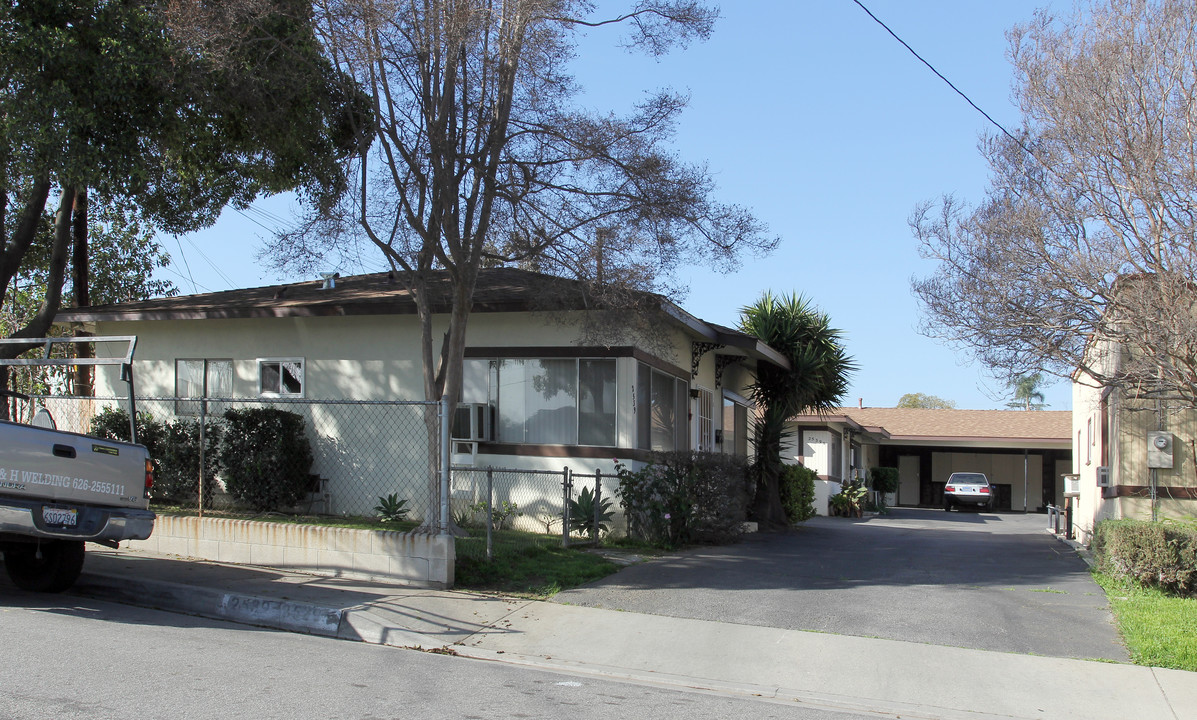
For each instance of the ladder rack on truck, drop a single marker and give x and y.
(60, 489)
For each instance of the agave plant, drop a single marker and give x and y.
(391, 508)
(582, 513)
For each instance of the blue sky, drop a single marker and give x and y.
(813, 116)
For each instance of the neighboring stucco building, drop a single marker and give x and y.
(1133, 457)
(1025, 453)
(538, 394)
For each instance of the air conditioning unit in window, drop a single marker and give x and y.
(472, 421)
(1103, 476)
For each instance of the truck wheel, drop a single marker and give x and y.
(59, 566)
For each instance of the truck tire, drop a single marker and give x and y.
(60, 564)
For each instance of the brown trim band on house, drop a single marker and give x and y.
(1144, 491)
(564, 451)
(547, 351)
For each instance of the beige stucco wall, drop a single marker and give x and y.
(1130, 422)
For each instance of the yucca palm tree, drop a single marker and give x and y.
(816, 380)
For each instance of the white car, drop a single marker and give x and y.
(968, 488)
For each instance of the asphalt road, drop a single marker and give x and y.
(73, 658)
(965, 579)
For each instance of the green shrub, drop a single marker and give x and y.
(850, 500)
(265, 457)
(798, 492)
(174, 448)
(177, 480)
(113, 424)
(683, 497)
(1161, 555)
(885, 479)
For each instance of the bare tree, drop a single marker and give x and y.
(477, 158)
(1085, 241)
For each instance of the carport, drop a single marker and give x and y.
(1024, 453)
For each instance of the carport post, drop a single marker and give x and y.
(1025, 461)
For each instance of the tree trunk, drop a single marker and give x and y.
(82, 384)
(767, 509)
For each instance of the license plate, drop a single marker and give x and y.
(67, 517)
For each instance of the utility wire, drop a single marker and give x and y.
(938, 74)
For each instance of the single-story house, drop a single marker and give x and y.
(1133, 457)
(1025, 453)
(538, 392)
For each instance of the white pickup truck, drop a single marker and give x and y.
(60, 489)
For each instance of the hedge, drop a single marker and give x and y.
(1155, 554)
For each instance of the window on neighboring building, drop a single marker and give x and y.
(201, 378)
(281, 377)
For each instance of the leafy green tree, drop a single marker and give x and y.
(815, 381)
(121, 99)
(922, 400)
(1026, 392)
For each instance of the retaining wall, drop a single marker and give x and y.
(381, 555)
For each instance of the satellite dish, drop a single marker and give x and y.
(43, 419)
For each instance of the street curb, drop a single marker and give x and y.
(356, 624)
(235, 607)
(1084, 552)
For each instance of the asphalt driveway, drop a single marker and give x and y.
(976, 580)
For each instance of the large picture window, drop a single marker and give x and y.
(546, 401)
(201, 378)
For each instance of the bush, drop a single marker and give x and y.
(885, 479)
(798, 492)
(1162, 555)
(177, 480)
(174, 449)
(682, 497)
(113, 424)
(265, 457)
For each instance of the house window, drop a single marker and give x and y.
(661, 417)
(547, 401)
(201, 378)
(1089, 444)
(735, 426)
(280, 377)
(704, 421)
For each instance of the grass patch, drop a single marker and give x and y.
(1160, 630)
(535, 571)
(1050, 590)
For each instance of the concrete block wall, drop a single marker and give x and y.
(380, 555)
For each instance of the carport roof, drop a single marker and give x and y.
(926, 426)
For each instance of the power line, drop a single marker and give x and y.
(940, 75)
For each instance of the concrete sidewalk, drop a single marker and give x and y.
(834, 672)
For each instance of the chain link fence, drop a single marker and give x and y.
(356, 452)
(362, 453)
(516, 509)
